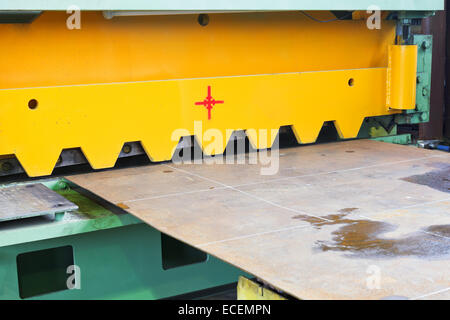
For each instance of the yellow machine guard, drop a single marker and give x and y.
(39, 119)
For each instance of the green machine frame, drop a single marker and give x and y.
(115, 254)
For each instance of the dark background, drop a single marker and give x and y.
(439, 125)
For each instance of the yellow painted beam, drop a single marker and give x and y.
(147, 79)
(123, 49)
(101, 118)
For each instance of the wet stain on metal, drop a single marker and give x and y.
(359, 238)
(347, 210)
(438, 179)
(441, 230)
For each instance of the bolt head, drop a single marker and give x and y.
(6, 166)
(126, 148)
(62, 185)
(426, 44)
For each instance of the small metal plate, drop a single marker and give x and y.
(17, 202)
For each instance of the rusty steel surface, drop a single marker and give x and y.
(347, 220)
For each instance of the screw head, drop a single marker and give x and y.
(424, 116)
(426, 44)
(6, 166)
(126, 148)
(62, 185)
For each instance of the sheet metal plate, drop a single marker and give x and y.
(348, 220)
(24, 201)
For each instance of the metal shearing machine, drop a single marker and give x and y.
(96, 98)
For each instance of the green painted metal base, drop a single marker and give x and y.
(397, 139)
(118, 256)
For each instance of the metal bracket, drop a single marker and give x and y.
(423, 79)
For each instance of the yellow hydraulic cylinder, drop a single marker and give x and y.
(401, 80)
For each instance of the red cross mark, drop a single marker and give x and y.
(209, 102)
